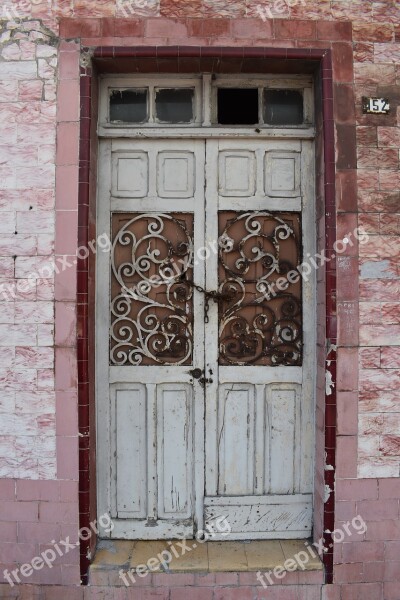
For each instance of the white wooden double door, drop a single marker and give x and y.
(205, 411)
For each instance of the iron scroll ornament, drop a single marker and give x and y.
(257, 326)
(258, 323)
(151, 308)
(273, 335)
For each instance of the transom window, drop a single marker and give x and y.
(206, 101)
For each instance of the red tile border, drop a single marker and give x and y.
(82, 320)
(331, 322)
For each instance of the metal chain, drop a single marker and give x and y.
(214, 295)
(206, 309)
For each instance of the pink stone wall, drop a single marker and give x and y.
(28, 79)
(38, 225)
(38, 402)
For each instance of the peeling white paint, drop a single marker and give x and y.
(330, 347)
(329, 383)
(85, 57)
(327, 467)
(327, 493)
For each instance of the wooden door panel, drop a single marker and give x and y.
(175, 451)
(236, 455)
(130, 435)
(282, 439)
(237, 170)
(259, 441)
(282, 173)
(130, 174)
(176, 174)
(263, 517)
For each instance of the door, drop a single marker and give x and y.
(204, 370)
(150, 339)
(260, 339)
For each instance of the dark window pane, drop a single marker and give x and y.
(174, 105)
(237, 106)
(283, 107)
(129, 106)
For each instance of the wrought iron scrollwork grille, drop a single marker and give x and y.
(151, 306)
(259, 324)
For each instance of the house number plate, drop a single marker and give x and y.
(377, 106)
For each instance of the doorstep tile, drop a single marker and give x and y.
(265, 554)
(195, 560)
(226, 556)
(145, 550)
(292, 547)
(110, 554)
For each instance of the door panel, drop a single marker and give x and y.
(129, 411)
(175, 451)
(236, 173)
(282, 173)
(176, 174)
(236, 450)
(130, 174)
(282, 412)
(262, 517)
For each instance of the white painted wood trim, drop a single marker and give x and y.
(177, 132)
(211, 339)
(128, 529)
(199, 274)
(261, 500)
(293, 534)
(258, 203)
(260, 427)
(163, 374)
(207, 82)
(307, 453)
(102, 316)
(261, 375)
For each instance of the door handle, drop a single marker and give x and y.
(199, 374)
(196, 373)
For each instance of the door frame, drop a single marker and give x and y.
(317, 61)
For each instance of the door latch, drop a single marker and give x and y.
(196, 373)
(199, 374)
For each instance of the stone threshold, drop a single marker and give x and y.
(190, 556)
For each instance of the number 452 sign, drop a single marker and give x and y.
(376, 106)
